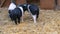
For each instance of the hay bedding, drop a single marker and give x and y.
(47, 23)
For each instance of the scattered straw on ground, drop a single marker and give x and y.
(47, 23)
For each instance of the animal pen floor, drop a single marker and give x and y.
(47, 23)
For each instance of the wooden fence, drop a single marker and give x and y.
(44, 4)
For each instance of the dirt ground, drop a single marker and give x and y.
(47, 23)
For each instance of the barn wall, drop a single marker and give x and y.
(36, 2)
(6, 3)
(20, 1)
(44, 4)
(47, 4)
(58, 2)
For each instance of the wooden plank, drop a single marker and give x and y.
(47, 4)
(2, 3)
(20, 1)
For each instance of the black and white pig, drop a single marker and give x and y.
(15, 13)
(32, 9)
